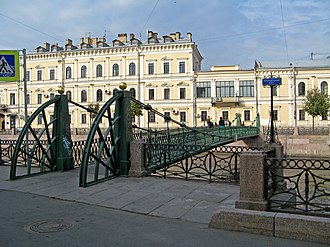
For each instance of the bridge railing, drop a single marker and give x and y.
(301, 187)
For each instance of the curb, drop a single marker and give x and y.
(283, 225)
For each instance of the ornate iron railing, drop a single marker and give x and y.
(220, 164)
(298, 186)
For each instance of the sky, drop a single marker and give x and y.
(227, 32)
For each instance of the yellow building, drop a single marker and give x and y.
(158, 71)
(226, 90)
(164, 72)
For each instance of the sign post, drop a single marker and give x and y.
(271, 82)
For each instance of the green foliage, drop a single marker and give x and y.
(136, 109)
(317, 103)
(94, 107)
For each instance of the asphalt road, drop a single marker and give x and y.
(28, 219)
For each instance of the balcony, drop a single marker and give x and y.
(225, 101)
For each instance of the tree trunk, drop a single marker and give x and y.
(313, 124)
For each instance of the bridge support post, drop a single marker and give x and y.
(61, 130)
(252, 181)
(123, 127)
(137, 168)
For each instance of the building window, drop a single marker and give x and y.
(182, 93)
(166, 67)
(247, 115)
(151, 117)
(12, 99)
(39, 119)
(225, 115)
(151, 94)
(166, 93)
(203, 116)
(246, 88)
(183, 117)
(51, 96)
(302, 115)
(68, 73)
(182, 67)
(69, 95)
(324, 87)
(275, 115)
(203, 89)
(83, 71)
(39, 75)
(83, 96)
(27, 75)
(151, 68)
(225, 89)
(39, 98)
(132, 92)
(99, 70)
(131, 69)
(52, 74)
(99, 95)
(28, 101)
(115, 70)
(167, 115)
(301, 89)
(83, 118)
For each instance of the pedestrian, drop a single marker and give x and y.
(221, 123)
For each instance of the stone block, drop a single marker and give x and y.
(137, 168)
(301, 227)
(244, 221)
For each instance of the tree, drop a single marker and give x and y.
(94, 108)
(136, 109)
(316, 104)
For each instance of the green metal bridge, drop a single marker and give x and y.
(106, 151)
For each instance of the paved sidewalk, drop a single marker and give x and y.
(194, 201)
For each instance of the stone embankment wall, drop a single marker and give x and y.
(317, 146)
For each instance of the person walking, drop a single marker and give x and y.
(221, 123)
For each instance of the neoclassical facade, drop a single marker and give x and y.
(164, 72)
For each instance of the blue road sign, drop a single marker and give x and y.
(9, 66)
(272, 81)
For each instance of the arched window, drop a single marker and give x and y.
(68, 73)
(69, 95)
(131, 69)
(99, 70)
(132, 92)
(83, 96)
(115, 70)
(99, 95)
(301, 88)
(83, 71)
(324, 87)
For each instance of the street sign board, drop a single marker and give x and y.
(273, 81)
(9, 65)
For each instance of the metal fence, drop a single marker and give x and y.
(298, 186)
(220, 164)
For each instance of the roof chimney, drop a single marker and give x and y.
(150, 34)
(122, 37)
(68, 42)
(131, 36)
(47, 46)
(177, 35)
(189, 36)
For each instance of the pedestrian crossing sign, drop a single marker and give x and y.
(9, 65)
